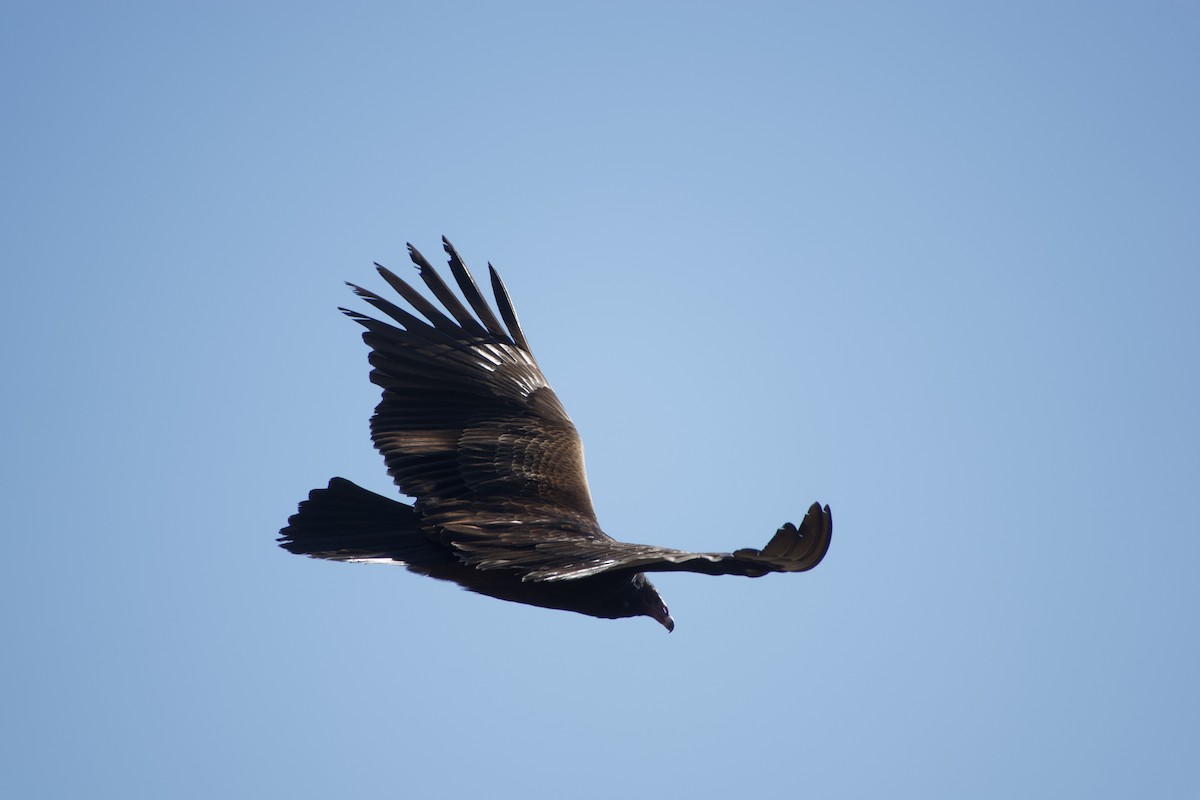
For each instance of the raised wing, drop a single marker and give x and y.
(468, 424)
(544, 556)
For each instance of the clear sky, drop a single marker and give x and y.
(935, 264)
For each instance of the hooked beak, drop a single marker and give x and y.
(664, 619)
(654, 607)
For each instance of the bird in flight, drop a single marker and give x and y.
(470, 429)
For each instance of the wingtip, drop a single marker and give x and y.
(805, 544)
(816, 512)
(818, 523)
(419, 261)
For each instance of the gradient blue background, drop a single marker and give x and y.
(936, 264)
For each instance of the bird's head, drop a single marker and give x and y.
(653, 606)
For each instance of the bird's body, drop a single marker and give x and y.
(470, 428)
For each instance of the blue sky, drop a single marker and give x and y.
(936, 264)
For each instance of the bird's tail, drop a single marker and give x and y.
(345, 522)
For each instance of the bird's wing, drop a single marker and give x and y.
(542, 555)
(468, 424)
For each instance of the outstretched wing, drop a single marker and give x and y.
(543, 556)
(468, 424)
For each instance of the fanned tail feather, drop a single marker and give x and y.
(345, 522)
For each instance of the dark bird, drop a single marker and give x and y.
(470, 428)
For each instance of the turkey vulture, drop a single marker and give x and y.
(470, 428)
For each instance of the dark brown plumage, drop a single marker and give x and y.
(469, 427)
